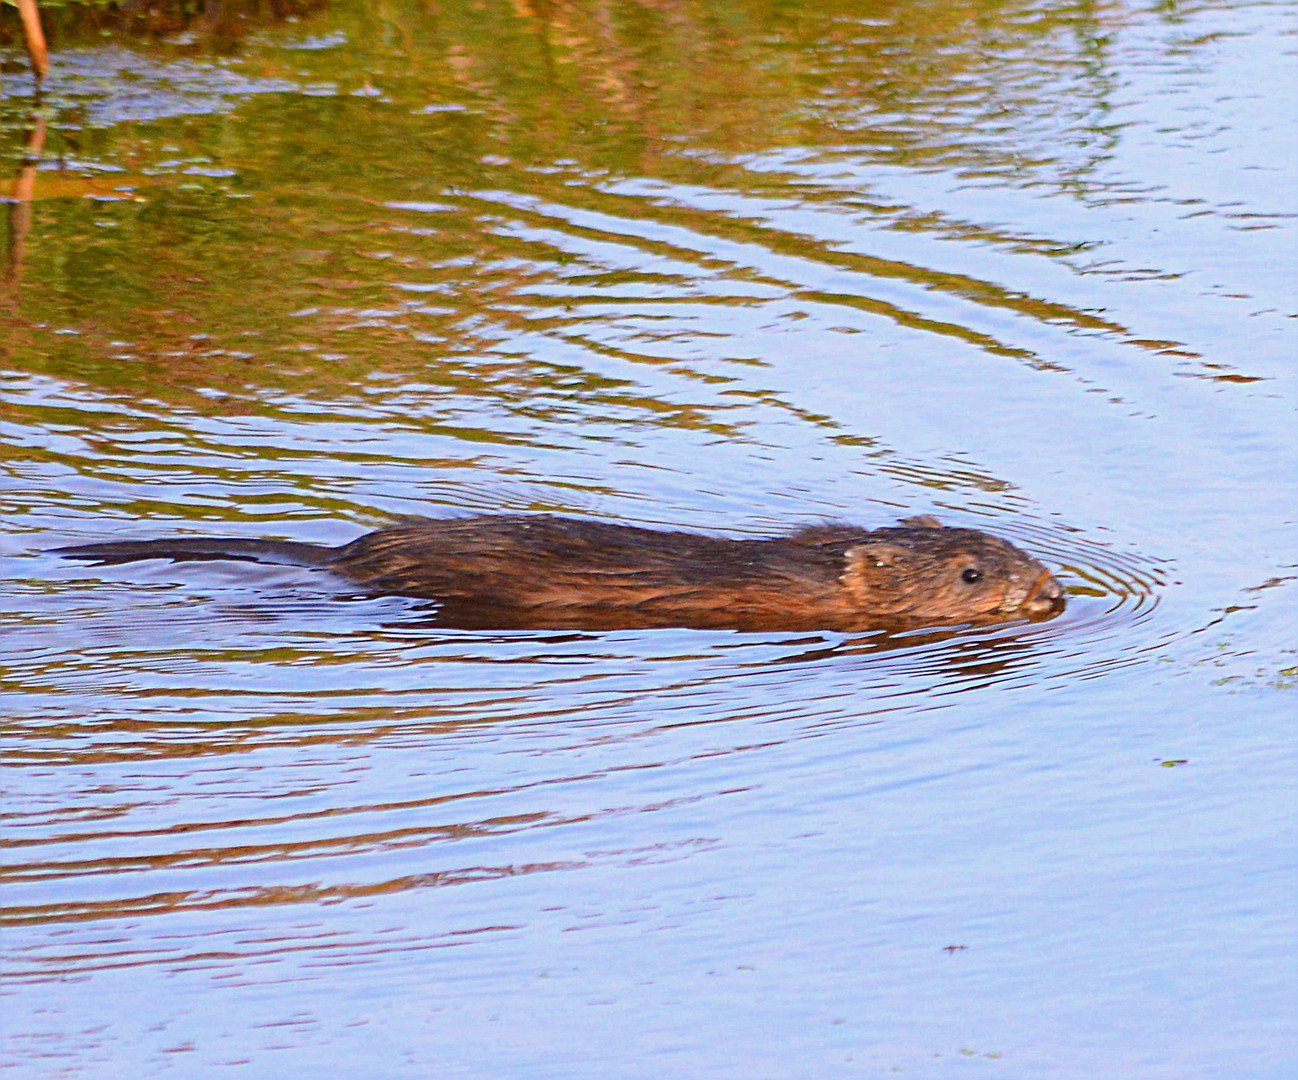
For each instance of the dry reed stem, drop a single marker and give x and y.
(34, 37)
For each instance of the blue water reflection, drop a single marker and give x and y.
(1026, 267)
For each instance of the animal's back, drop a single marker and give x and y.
(586, 573)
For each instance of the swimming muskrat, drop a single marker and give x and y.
(547, 572)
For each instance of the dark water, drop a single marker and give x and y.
(726, 266)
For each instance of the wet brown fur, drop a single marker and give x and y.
(544, 571)
(541, 571)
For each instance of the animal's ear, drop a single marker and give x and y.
(923, 521)
(872, 564)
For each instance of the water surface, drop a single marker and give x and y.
(732, 267)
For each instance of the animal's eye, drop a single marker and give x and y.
(971, 576)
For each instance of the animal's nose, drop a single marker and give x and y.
(1046, 593)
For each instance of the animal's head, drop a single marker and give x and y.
(923, 572)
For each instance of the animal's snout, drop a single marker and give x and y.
(1045, 596)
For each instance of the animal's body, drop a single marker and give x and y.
(552, 572)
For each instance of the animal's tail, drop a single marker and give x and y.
(188, 549)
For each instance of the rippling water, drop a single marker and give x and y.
(730, 267)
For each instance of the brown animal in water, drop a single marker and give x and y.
(546, 572)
